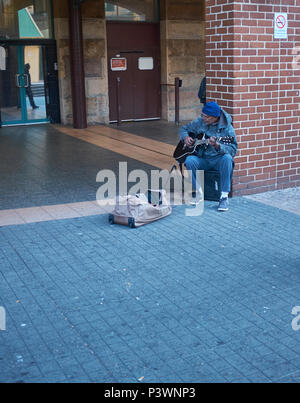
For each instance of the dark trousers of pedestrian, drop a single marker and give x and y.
(30, 97)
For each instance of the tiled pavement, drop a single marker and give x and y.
(185, 299)
(286, 199)
(50, 168)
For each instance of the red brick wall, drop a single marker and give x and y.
(256, 78)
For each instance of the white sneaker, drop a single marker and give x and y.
(223, 204)
(195, 200)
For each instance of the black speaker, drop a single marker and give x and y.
(212, 190)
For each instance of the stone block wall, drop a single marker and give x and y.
(183, 55)
(182, 50)
(95, 59)
(256, 78)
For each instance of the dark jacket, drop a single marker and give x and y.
(223, 128)
(26, 71)
(202, 91)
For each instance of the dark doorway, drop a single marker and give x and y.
(133, 71)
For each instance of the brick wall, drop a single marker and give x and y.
(256, 78)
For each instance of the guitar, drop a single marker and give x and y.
(182, 150)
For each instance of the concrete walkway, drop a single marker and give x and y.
(286, 199)
(212, 298)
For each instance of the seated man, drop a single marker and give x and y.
(215, 123)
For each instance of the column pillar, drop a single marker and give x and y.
(77, 65)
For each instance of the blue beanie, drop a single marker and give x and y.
(211, 109)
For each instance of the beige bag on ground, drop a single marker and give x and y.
(138, 210)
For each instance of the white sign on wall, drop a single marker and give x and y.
(280, 26)
(2, 58)
(146, 63)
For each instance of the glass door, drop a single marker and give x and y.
(22, 87)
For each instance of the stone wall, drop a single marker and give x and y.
(182, 51)
(183, 55)
(95, 59)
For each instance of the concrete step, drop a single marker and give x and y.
(38, 90)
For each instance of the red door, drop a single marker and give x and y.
(133, 71)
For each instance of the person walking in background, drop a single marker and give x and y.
(28, 89)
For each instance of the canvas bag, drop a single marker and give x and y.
(139, 210)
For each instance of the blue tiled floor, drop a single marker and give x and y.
(91, 302)
(50, 168)
(184, 299)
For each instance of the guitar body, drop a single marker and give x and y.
(182, 150)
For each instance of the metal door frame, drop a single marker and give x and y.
(21, 44)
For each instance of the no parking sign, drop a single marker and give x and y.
(280, 25)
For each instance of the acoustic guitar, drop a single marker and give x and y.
(182, 150)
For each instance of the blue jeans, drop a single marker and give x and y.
(222, 163)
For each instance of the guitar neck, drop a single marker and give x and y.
(224, 139)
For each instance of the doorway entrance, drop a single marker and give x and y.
(24, 85)
(133, 71)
